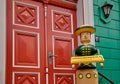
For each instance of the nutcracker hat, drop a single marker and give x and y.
(85, 28)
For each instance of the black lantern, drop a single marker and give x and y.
(107, 8)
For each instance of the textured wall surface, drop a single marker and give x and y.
(2, 40)
(109, 44)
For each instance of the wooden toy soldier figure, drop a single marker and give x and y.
(85, 54)
(86, 49)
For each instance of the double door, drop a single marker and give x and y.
(40, 43)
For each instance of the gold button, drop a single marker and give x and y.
(88, 75)
(95, 75)
(80, 76)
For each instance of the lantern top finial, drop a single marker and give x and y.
(85, 28)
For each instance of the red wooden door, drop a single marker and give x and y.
(61, 44)
(40, 42)
(25, 42)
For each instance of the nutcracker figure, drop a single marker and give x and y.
(85, 55)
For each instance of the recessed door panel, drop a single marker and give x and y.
(26, 14)
(26, 78)
(62, 22)
(26, 49)
(63, 50)
(64, 78)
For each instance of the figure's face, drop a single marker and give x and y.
(85, 37)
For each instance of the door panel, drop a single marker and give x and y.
(26, 49)
(64, 78)
(26, 14)
(26, 78)
(62, 48)
(61, 42)
(62, 21)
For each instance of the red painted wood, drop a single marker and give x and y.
(63, 79)
(35, 28)
(63, 4)
(70, 4)
(63, 50)
(60, 37)
(24, 78)
(26, 49)
(62, 22)
(25, 14)
(24, 31)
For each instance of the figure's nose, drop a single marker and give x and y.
(85, 37)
